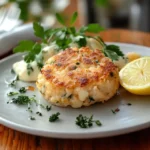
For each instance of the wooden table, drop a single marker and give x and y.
(14, 140)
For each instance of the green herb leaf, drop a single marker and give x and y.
(98, 122)
(22, 90)
(54, 117)
(24, 46)
(85, 122)
(32, 118)
(95, 28)
(83, 29)
(73, 18)
(29, 69)
(116, 49)
(21, 100)
(38, 30)
(14, 82)
(33, 52)
(12, 93)
(82, 42)
(111, 54)
(60, 19)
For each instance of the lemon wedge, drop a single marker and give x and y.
(135, 76)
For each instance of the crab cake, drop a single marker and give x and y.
(78, 77)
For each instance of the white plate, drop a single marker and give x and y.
(128, 119)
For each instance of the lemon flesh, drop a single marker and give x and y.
(135, 76)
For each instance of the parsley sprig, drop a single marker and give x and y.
(86, 122)
(64, 37)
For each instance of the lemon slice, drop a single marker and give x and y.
(135, 76)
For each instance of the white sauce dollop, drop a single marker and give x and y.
(20, 67)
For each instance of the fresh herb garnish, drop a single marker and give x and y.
(54, 117)
(39, 113)
(21, 100)
(129, 104)
(30, 110)
(22, 90)
(48, 108)
(12, 93)
(113, 52)
(14, 82)
(85, 122)
(32, 118)
(29, 69)
(63, 37)
(12, 71)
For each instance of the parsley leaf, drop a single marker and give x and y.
(73, 18)
(54, 117)
(12, 93)
(82, 42)
(21, 100)
(33, 52)
(116, 49)
(113, 52)
(22, 90)
(94, 28)
(60, 19)
(25, 45)
(38, 30)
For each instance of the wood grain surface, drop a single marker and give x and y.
(14, 140)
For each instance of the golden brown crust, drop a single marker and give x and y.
(78, 67)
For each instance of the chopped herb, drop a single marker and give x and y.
(22, 90)
(85, 122)
(30, 69)
(12, 93)
(113, 111)
(129, 104)
(21, 100)
(32, 118)
(12, 71)
(91, 98)
(40, 65)
(30, 110)
(39, 113)
(42, 106)
(14, 82)
(98, 122)
(54, 117)
(48, 108)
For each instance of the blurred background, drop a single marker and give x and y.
(126, 14)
